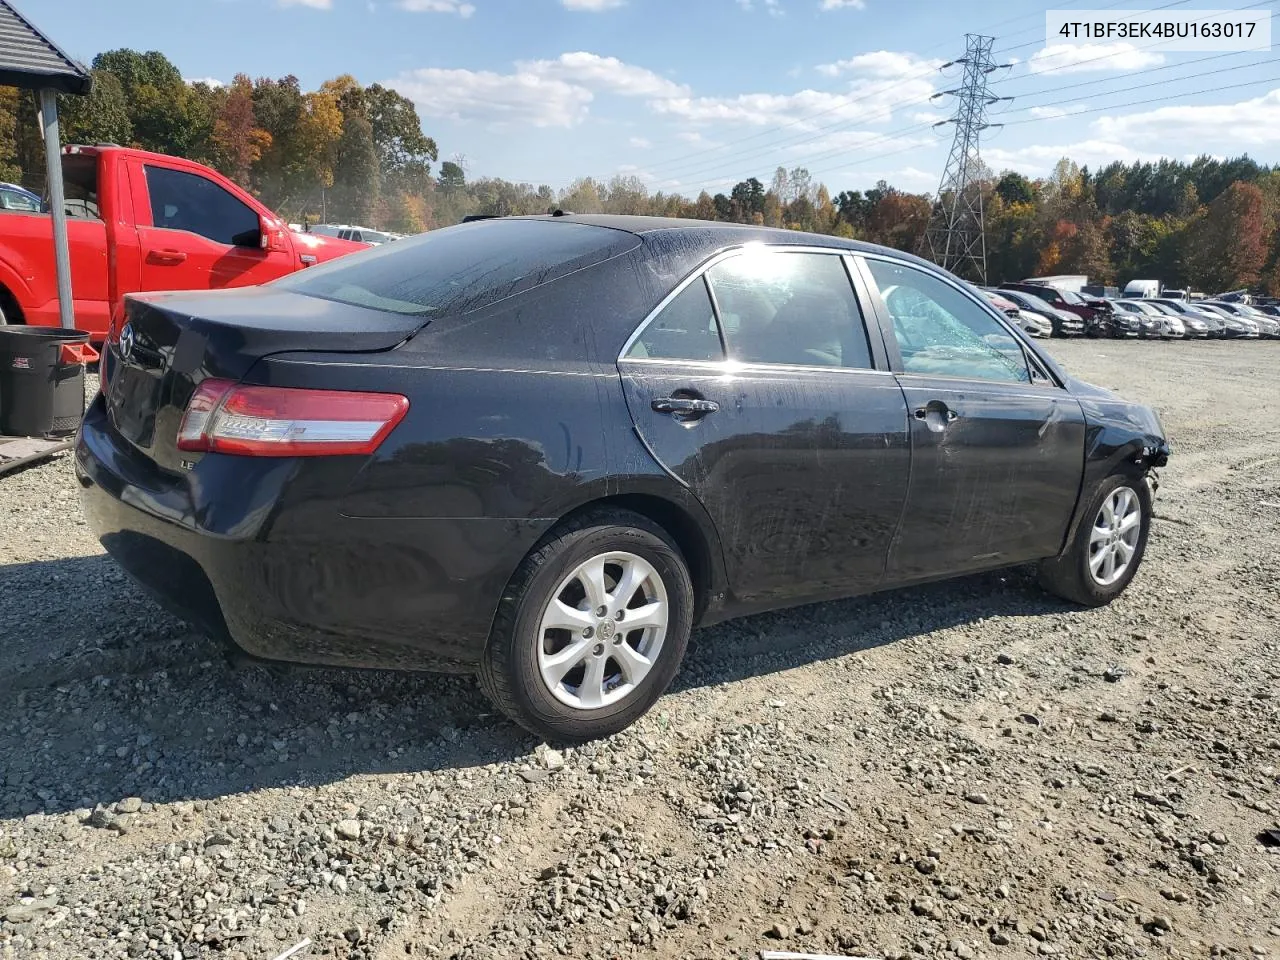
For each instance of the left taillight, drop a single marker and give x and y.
(256, 421)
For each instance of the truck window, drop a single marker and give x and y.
(80, 187)
(186, 201)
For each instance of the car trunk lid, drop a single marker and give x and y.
(170, 343)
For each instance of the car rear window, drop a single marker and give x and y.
(462, 268)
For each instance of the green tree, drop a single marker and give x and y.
(101, 117)
(1013, 187)
(405, 153)
(355, 171)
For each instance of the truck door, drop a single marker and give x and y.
(202, 236)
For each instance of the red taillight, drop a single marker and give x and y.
(254, 421)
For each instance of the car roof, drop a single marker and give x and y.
(711, 234)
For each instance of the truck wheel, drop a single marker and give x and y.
(592, 628)
(1108, 546)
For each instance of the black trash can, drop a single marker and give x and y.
(42, 380)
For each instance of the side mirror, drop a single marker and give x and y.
(272, 234)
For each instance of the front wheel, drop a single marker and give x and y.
(592, 628)
(1108, 546)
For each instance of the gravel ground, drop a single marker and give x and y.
(970, 769)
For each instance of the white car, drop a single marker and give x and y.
(347, 231)
(1034, 324)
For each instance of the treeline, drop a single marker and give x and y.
(350, 153)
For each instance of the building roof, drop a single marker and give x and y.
(30, 60)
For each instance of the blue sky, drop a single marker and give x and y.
(702, 93)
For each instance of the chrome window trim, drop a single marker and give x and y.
(743, 366)
(701, 270)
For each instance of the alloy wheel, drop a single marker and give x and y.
(602, 631)
(1114, 539)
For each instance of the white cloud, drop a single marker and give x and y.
(594, 6)
(878, 83)
(1226, 127)
(640, 143)
(1053, 113)
(844, 4)
(494, 98)
(313, 4)
(462, 9)
(207, 81)
(927, 116)
(912, 178)
(882, 65)
(539, 93)
(604, 73)
(1038, 160)
(772, 7)
(1092, 57)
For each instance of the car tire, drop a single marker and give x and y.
(524, 654)
(1076, 575)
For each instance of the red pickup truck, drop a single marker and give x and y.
(140, 221)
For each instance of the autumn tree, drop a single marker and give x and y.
(1228, 244)
(237, 138)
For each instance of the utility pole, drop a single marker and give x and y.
(955, 238)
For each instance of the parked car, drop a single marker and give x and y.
(1150, 322)
(537, 448)
(1236, 326)
(1097, 314)
(356, 234)
(1168, 294)
(14, 197)
(1265, 325)
(1196, 325)
(1215, 323)
(145, 221)
(1028, 322)
(1064, 322)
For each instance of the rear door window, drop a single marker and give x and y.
(790, 308)
(461, 268)
(185, 201)
(685, 329)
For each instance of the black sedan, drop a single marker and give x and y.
(544, 449)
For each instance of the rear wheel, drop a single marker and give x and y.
(1108, 546)
(592, 628)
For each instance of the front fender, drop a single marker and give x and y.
(1121, 437)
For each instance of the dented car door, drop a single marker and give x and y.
(997, 446)
(756, 386)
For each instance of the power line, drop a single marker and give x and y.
(900, 133)
(1116, 106)
(849, 101)
(714, 163)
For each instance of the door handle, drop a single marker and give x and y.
(166, 258)
(685, 407)
(936, 415)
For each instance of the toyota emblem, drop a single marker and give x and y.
(126, 341)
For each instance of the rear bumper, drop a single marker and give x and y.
(271, 564)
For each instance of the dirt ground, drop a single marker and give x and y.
(970, 769)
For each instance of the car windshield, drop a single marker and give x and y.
(1072, 297)
(461, 268)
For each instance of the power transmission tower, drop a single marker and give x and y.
(955, 239)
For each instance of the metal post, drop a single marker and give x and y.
(57, 204)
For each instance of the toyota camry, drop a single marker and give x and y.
(544, 449)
